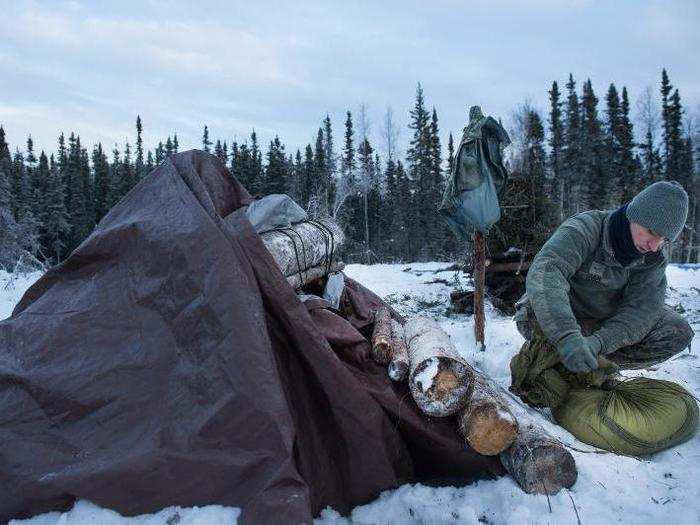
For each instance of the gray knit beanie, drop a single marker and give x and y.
(661, 207)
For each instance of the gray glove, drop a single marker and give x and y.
(580, 354)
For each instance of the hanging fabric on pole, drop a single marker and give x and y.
(470, 200)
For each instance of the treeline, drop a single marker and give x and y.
(578, 158)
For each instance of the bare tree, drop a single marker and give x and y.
(648, 114)
(363, 123)
(390, 132)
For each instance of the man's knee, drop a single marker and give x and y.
(671, 331)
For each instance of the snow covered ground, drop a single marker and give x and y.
(610, 488)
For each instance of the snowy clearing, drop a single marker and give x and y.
(610, 488)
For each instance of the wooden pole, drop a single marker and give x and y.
(479, 277)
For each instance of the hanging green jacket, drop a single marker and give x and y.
(470, 200)
(575, 276)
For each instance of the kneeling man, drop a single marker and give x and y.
(597, 286)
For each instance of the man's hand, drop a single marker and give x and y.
(580, 354)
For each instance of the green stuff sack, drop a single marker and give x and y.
(637, 417)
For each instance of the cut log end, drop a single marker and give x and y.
(440, 385)
(382, 349)
(551, 469)
(398, 370)
(488, 429)
(539, 464)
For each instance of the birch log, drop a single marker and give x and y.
(381, 336)
(539, 463)
(307, 276)
(439, 378)
(304, 245)
(486, 422)
(398, 367)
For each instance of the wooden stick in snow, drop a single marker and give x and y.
(382, 349)
(486, 422)
(398, 367)
(539, 463)
(307, 276)
(439, 378)
(479, 284)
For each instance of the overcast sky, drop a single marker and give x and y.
(279, 67)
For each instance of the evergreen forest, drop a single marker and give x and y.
(586, 153)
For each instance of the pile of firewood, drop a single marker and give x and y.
(443, 384)
(306, 251)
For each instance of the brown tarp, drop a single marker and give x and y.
(168, 362)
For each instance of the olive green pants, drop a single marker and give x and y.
(670, 335)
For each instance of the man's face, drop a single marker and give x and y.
(644, 239)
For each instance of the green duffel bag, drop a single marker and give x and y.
(636, 417)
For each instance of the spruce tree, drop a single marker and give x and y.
(331, 162)
(571, 151)
(206, 143)
(126, 179)
(160, 153)
(54, 218)
(613, 146)
(388, 211)
(630, 167)
(594, 186)
(307, 178)
(366, 171)
(169, 147)
(666, 89)
(450, 153)
(115, 175)
(404, 214)
(321, 183)
(101, 182)
(419, 173)
(219, 151)
(256, 164)
(149, 162)
(276, 169)
(139, 166)
(557, 181)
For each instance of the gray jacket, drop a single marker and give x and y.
(575, 276)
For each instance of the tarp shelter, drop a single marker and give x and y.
(168, 362)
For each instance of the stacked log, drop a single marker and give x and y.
(539, 463)
(381, 337)
(486, 422)
(442, 383)
(305, 251)
(439, 378)
(298, 280)
(399, 364)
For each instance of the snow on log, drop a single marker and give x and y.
(439, 378)
(307, 276)
(398, 367)
(303, 245)
(381, 336)
(486, 422)
(539, 463)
